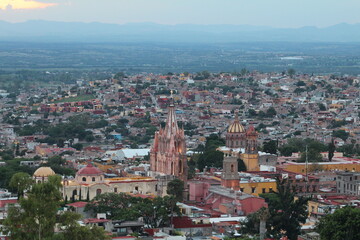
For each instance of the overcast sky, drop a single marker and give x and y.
(275, 13)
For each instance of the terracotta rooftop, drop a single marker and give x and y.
(89, 170)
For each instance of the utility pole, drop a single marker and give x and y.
(306, 169)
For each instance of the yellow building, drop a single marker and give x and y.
(256, 188)
(326, 166)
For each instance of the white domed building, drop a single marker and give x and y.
(42, 174)
(90, 182)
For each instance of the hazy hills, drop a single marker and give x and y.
(140, 32)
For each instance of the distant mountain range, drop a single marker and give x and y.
(49, 31)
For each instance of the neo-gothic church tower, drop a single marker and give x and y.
(168, 153)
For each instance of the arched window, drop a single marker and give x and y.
(93, 179)
(115, 189)
(84, 179)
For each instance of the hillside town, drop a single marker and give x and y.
(204, 155)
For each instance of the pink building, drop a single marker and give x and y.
(168, 153)
(224, 200)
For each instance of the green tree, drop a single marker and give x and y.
(241, 165)
(331, 150)
(176, 189)
(343, 224)
(71, 229)
(36, 216)
(321, 107)
(271, 112)
(252, 113)
(341, 134)
(286, 212)
(117, 204)
(270, 147)
(77, 146)
(291, 72)
(155, 212)
(312, 155)
(21, 182)
(210, 156)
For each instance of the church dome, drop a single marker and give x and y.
(89, 170)
(236, 126)
(44, 172)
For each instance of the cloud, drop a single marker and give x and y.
(23, 4)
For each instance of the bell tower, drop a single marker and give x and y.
(230, 176)
(251, 156)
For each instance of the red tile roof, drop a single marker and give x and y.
(89, 170)
(77, 204)
(95, 220)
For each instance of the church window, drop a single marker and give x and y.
(84, 179)
(137, 188)
(115, 189)
(93, 179)
(98, 192)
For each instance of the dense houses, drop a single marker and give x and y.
(131, 141)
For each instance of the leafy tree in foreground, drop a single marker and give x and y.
(72, 230)
(121, 206)
(37, 216)
(343, 224)
(286, 213)
(21, 182)
(117, 204)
